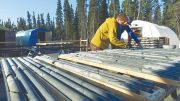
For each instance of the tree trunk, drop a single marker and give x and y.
(139, 9)
(178, 26)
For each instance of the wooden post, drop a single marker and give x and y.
(86, 45)
(80, 44)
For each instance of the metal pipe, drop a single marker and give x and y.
(94, 96)
(171, 72)
(84, 67)
(12, 65)
(162, 54)
(130, 56)
(130, 84)
(35, 64)
(12, 84)
(7, 70)
(108, 74)
(65, 89)
(136, 83)
(96, 89)
(6, 85)
(96, 79)
(114, 58)
(43, 91)
(15, 91)
(31, 93)
(164, 74)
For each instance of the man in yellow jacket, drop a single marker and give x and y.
(110, 32)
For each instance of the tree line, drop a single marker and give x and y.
(82, 22)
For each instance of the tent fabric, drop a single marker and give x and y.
(153, 30)
(29, 37)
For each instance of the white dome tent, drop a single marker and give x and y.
(152, 30)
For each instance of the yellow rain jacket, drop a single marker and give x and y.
(106, 34)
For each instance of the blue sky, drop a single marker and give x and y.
(14, 9)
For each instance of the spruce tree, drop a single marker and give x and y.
(14, 27)
(75, 26)
(38, 21)
(73, 32)
(130, 8)
(34, 20)
(7, 24)
(146, 7)
(177, 15)
(21, 24)
(93, 18)
(52, 29)
(114, 8)
(42, 22)
(0, 23)
(82, 18)
(48, 22)
(29, 21)
(59, 21)
(103, 11)
(157, 15)
(68, 20)
(169, 18)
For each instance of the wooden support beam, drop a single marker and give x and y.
(123, 70)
